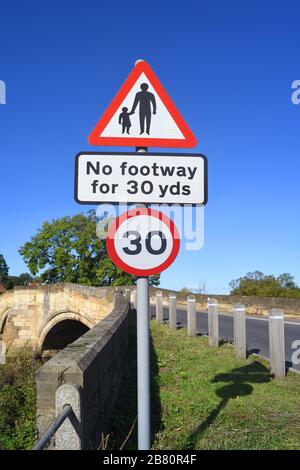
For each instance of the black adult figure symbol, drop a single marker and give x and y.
(144, 98)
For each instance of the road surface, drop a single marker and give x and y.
(257, 333)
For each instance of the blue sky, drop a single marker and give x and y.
(228, 66)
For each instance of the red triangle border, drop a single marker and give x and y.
(189, 140)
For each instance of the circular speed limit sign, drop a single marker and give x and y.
(143, 242)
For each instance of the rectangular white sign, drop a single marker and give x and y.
(140, 177)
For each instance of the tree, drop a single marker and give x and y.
(200, 289)
(257, 283)
(25, 279)
(109, 272)
(185, 290)
(3, 267)
(9, 282)
(69, 250)
(286, 281)
(197, 289)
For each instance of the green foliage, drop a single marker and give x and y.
(185, 290)
(108, 270)
(65, 249)
(25, 279)
(3, 272)
(257, 283)
(154, 280)
(69, 250)
(9, 282)
(17, 402)
(3, 266)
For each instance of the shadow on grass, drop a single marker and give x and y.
(225, 341)
(124, 420)
(238, 383)
(249, 352)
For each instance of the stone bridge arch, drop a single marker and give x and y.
(62, 319)
(3, 318)
(29, 313)
(6, 301)
(4, 341)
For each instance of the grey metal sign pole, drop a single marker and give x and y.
(143, 363)
(143, 357)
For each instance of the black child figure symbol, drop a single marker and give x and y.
(124, 119)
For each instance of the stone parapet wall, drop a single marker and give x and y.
(94, 363)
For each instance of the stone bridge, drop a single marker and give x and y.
(47, 318)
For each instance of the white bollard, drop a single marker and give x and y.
(276, 342)
(159, 307)
(191, 316)
(172, 312)
(239, 320)
(213, 322)
(127, 295)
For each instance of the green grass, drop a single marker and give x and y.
(206, 398)
(17, 402)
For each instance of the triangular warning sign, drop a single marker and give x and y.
(142, 115)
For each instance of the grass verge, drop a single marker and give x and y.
(206, 398)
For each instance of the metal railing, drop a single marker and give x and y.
(46, 437)
(67, 425)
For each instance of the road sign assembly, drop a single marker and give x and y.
(143, 242)
(142, 115)
(130, 178)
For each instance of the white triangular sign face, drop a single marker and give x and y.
(142, 114)
(160, 125)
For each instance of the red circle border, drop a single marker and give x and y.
(110, 245)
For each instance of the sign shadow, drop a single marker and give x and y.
(237, 384)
